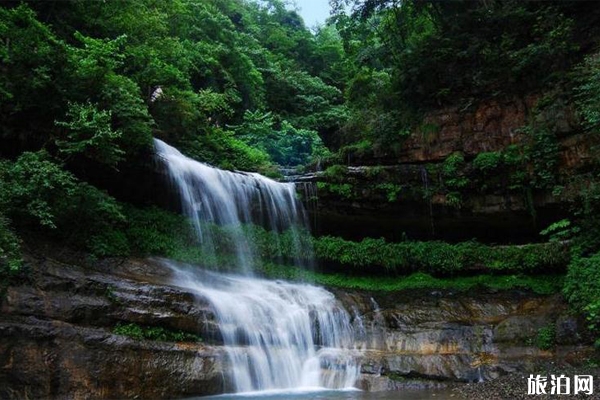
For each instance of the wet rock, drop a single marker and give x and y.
(568, 330)
(382, 383)
(420, 208)
(57, 336)
(42, 359)
(459, 337)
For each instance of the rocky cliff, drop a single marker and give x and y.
(431, 185)
(445, 336)
(58, 337)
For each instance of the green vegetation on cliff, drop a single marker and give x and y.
(408, 57)
(140, 332)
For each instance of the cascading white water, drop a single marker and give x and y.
(278, 335)
(231, 199)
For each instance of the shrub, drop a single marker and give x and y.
(89, 132)
(546, 337)
(10, 252)
(391, 190)
(344, 190)
(34, 185)
(541, 284)
(37, 191)
(587, 77)
(441, 258)
(582, 289)
(335, 173)
(487, 161)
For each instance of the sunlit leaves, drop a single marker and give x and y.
(34, 184)
(89, 132)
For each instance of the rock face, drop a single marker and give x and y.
(460, 337)
(488, 125)
(58, 340)
(388, 191)
(400, 201)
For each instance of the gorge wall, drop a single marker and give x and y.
(59, 341)
(429, 186)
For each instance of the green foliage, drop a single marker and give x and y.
(222, 149)
(374, 172)
(452, 171)
(436, 48)
(582, 289)
(36, 191)
(587, 91)
(98, 57)
(487, 161)
(152, 231)
(375, 117)
(92, 219)
(10, 251)
(541, 284)
(335, 173)
(377, 256)
(359, 149)
(32, 59)
(405, 58)
(546, 337)
(344, 190)
(35, 185)
(100, 83)
(139, 332)
(286, 145)
(11, 261)
(117, 120)
(560, 230)
(89, 132)
(391, 190)
(157, 232)
(543, 153)
(453, 178)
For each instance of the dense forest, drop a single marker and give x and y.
(245, 85)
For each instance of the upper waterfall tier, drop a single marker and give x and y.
(231, 199)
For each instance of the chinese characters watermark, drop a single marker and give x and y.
(580, 384)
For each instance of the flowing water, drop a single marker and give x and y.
(232, 199)
(408, 394)
(278, 335)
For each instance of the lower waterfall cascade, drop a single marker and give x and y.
(277, 335)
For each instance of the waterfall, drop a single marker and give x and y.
(277, 335)
(231, 199)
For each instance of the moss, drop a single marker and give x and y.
(140, 332)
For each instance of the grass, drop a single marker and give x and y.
(540, 284)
